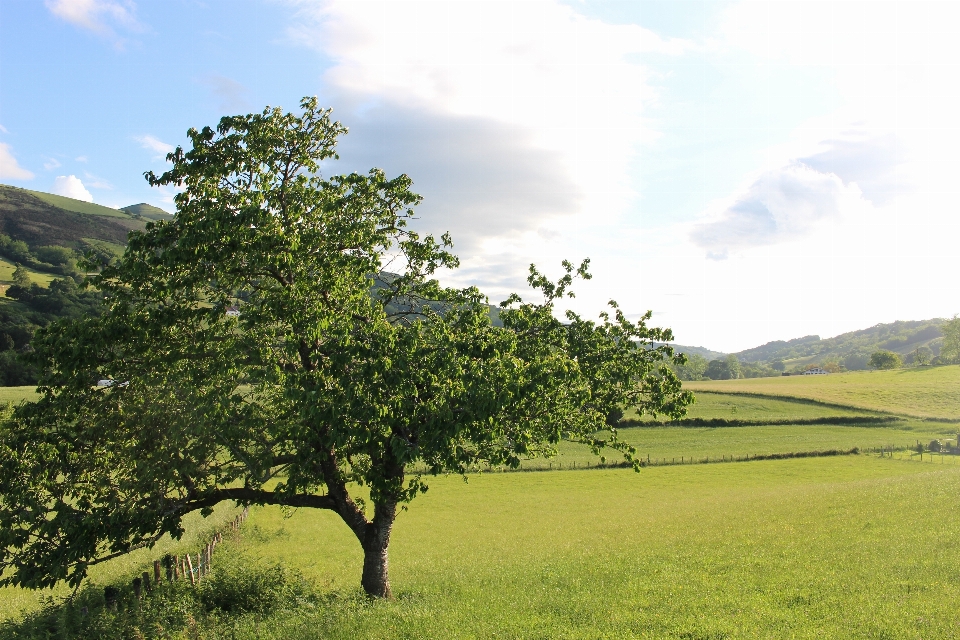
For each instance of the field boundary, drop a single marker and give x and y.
(821, 403)
(726, 422)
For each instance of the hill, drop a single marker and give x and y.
(852, 349)
(43, 219)
(146, 211)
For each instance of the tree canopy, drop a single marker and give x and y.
(885, 360)
(349, 369)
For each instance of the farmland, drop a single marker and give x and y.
(925, 392)
(841, 546)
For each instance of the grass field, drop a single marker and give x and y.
(924, 392)
(834, 547)
(7, 268)
(818, 548)
(78, 206)
(727, 406)
(15, 395)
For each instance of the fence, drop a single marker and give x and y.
(536, 465)
(177, 567)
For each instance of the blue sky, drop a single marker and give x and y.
(748, 171)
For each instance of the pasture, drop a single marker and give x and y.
(829, 547)
(923, 392)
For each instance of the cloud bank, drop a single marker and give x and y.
(506, 115)
(71, 187)
(102, 17)
(786, 203)
(10, 169)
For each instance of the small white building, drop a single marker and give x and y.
(816, 371)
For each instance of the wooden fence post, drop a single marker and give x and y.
(190, 568)
(136, 587)
(156, 571)
(145, 577)
(110, 597)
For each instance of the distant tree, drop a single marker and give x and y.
(922, 355)
(856, 361)
(693, 369)
(338, 386)
(21, 277)
(950, 349)
(885, 360)
(733, 367)
(726, 369)
(778, 365)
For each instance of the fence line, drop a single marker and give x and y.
(648, 461)
(175, 567)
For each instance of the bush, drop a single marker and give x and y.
(935, 446)
(236, 586)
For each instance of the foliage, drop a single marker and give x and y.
(692, 369)
(885, 360)
(725, 369)
(333, 376)
(950, 350)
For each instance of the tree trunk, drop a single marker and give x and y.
(376, 580)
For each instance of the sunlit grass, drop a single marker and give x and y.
(926, 392)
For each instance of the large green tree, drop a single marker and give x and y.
(335, 380)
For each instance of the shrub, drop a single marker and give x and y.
(935, 446)
(236, 586)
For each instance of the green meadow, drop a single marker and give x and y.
(923, 392)
(819, 547)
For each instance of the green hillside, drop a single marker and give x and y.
(77, 206)
(146, 211)
(851, 349)
(43, 219)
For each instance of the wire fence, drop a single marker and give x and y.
(175, 567)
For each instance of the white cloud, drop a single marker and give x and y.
(3, 129)
(102, 17)
(71, 187)
(81, 158)
(157, 146)
(9, 168)
(507, 116)
(51, 163)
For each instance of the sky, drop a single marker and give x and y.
(749, 171)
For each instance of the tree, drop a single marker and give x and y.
(336, 374)
(885, 360)
(922, 355)
(21, 277)
(950, 349)
(693, 368)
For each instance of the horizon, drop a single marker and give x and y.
(748, 171)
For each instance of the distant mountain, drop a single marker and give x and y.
(851, 349)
